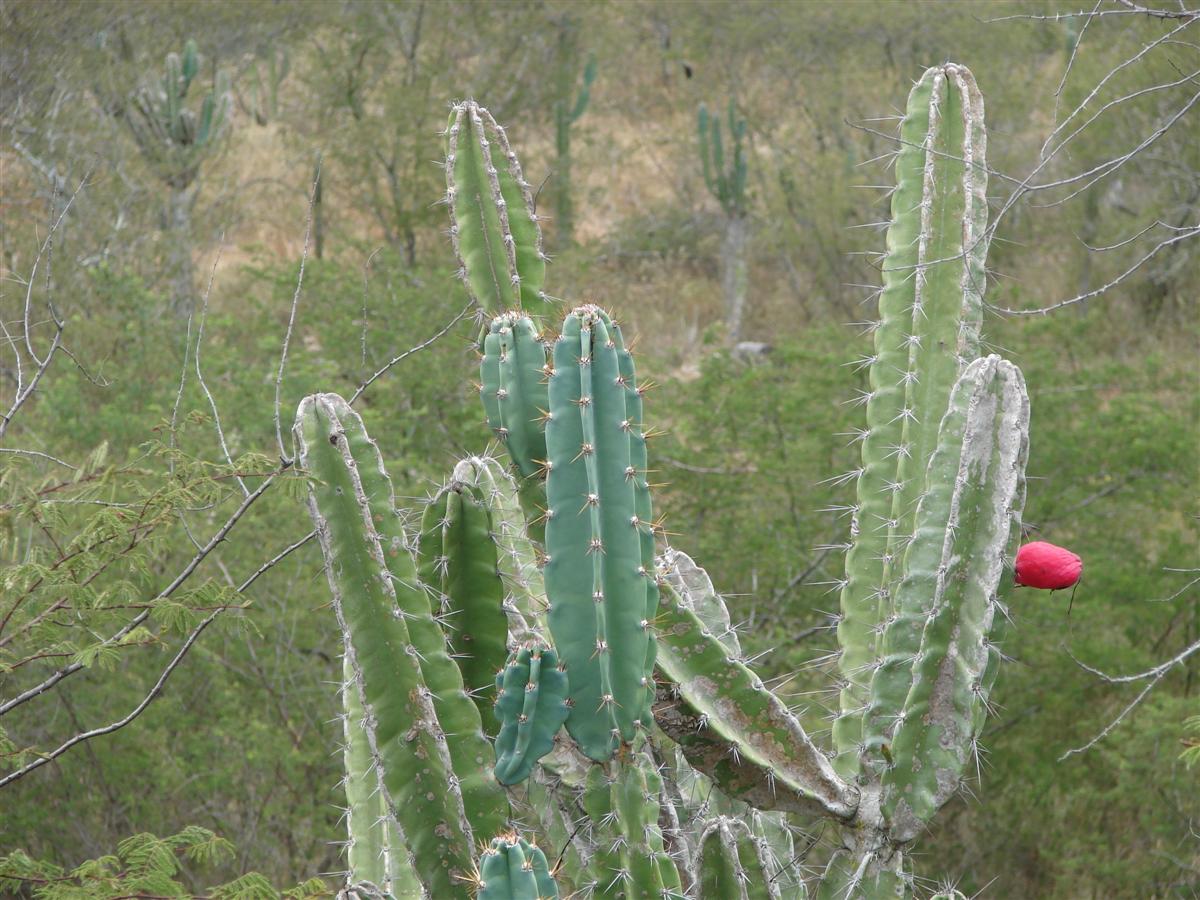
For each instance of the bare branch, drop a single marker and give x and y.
(409, 352)
(162, 678)
(1155, 675)
(287, 337)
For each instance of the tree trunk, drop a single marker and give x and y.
(179, 249)
(733, 274)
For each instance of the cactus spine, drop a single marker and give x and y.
(940, 493)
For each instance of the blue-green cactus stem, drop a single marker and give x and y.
(957, 561)
(458, 563)
(597, 581)
(511, 868)
(531, 704)
(514, 373)
(492, 223)
(930, 312)
(408, 746)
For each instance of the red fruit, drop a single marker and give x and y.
(1044, 565)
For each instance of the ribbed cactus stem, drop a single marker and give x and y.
(599, 587)
(531, 704)
(493, 228)
(513, 376)
(366, 821)
(930, 312)
(735, 730)
(516, 557)
(458, 562)
(733, 864)
(511, 868)
(408, 747)
(956, 564)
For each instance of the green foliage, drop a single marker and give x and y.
(144, 865)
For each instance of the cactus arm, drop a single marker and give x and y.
(594, 575)
(408, 750)
(737, 732)
(531, 705)
(643, 505)
(484, 802)
(511, 868)
(515, 554)
(929, 318)
(366, 821)
(493, 227)
(983, 442)
(729, 863)
(513, 381)
(458, 561)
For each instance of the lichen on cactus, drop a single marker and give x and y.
(597, 581)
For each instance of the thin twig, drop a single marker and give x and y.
(159, 684)
(287, 337)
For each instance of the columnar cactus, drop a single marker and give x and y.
(173, 138)
(727, 183)
(659, 704)
(492, 223)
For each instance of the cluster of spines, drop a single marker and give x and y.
(599, 581)
(928, 331)
(493, 227)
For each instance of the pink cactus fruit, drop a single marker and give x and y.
(1041, 564)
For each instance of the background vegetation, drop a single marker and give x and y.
(175, 266)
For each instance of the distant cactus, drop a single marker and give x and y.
(682, 766)
(726, 181)
(174, 138)
(265, 78)
(568, 110)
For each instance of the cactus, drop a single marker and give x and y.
(493, 227)
(934, 532)
(600, 588)
(173, 138)
(928, 331)
(531, 704)
(263, 104)
(568, 111)
(457, 562)
(513, 869)
(727, 183)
